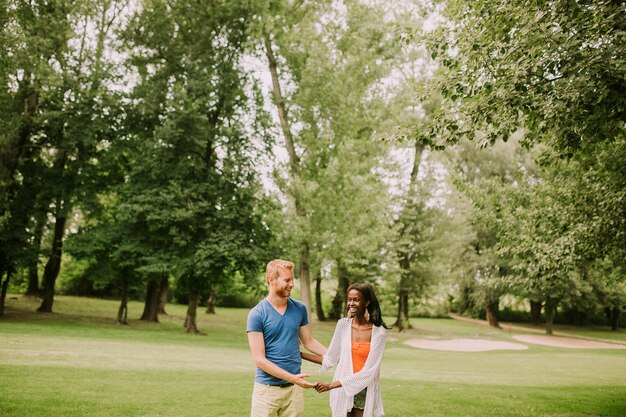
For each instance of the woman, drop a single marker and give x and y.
(357, 349)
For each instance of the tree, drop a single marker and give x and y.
(553, 73)
(556, 228)
(23, 56)
(410, 241)
(555, 69)
(60, 74)
(81, 119)
(112, 251)
(350, 222)
(294, 159)
(325, 88)
(481, 175)
(192, 192)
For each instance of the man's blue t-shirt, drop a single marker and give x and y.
(281, 335)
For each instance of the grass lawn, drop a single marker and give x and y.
(78, 362)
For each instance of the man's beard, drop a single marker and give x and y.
(284, 292)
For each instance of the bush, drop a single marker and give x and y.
(244, 300)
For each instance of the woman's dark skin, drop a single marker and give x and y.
(361, 332)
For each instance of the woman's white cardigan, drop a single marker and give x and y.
(340, 354)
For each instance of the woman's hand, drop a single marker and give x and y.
(322, 387)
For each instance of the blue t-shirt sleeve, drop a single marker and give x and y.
(305, 315)
(255, 321)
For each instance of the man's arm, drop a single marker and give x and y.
(310, 343)
(257, 347)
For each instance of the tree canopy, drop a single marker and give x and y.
(167, 150)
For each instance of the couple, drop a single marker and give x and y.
(275, 327)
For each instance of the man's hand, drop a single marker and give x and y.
(299, 380)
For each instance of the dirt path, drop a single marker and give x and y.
(507, 327)
(464, 345)
(558, 339)
(565, 342)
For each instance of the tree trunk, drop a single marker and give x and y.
(615, 316)
(163, 291)
(53, 266)
(33, 289)
(190, 319)
(33, 280)
(5, 286)
(550, 309)
(294, 166)
(535, 312)
(122, 312)
(211, 301)
(402, 318)
(150, 309)
(2, 295)
(33, 263)
(338, 305)
(319, 309)
(305, 279)
(406, 309)
(492, 308)
(280, 107)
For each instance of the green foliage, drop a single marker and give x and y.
(555, 69)
(334, 56)
(192, 204)
(551, 75)
(62, 113)
(142, 129)
(554, 227)
(479, 175)
(418, 230)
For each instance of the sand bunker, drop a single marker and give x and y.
(566, 342)
(464, 345)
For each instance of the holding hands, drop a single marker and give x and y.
(322, 387)
(319, 386)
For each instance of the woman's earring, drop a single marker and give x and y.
(367, 315)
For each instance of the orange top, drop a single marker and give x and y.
(359, 355)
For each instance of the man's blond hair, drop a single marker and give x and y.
(274, 266)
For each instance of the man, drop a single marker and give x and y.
(274, 326)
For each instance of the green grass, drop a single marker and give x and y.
(78, 362)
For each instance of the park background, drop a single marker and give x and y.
(465, 157)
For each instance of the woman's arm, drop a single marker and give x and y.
(321, 387)
(331, 358)
(310, 343)
(311, 357)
